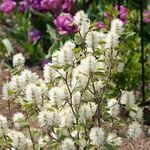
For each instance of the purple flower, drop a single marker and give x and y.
(34, 35)
(36, 4)
(7, 6)
(123, 12)
(107, 16)
(52, 5)
(22, 6)
(68, 5)
(64, 24)
(101, 25)
(44, 62)
(147, 16)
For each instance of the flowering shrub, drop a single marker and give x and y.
(72, 108)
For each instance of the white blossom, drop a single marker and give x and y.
(113, 107)
(65, 55)
(18, 82)
(67, 144)
(18, 59)
(87, 111)
(12, 88)
(5, 91)
(98, 85)
(127, 98)
(48, 118)
(33, 94)
(56, 58)
(28, 144)
(28, 77)
(14, 83)
(114, 139)
(66, 117)
(88, 64)
(134, 130)
(18, 118)
(136, 112)
(8, 92)
(117, 26)
(57, 95)
(43, 89)
(97, 136)
(79, 79)
(111, 40)
(49, 73)
(93, 39)
(76, 98)
(43, 141)
(82, 21)
(3, 125)
(19, 141)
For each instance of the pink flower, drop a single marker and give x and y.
(68, 5)
(34, 35)
(101, 25)
(123, 13)
(22, 6)
(147, 16)
(64, 24)
(107, 16)
(7, 6)
(51, 5)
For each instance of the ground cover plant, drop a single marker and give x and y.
(75, 105)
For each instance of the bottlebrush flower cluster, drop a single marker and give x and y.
(71, 108)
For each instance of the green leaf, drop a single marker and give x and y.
(102, 42)
(25, 124)
(66, 67)
(51, 32)
(79, 128)
(77, 50)
(109, 147)
(56, 67)
(54, 145)
(98, 73)
(133, 110)
(32, 113)
(8, 46)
